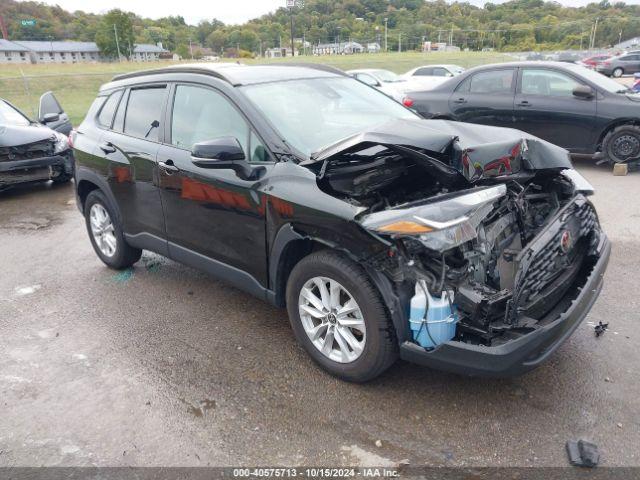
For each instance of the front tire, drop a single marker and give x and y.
(106, 235)
(617, 72)
(622, 144)
(338, 316)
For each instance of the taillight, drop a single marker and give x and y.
(606, 64)
(407, 102)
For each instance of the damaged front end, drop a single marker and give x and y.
(494, 252)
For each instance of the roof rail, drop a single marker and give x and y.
(155, 71)
(313, 66)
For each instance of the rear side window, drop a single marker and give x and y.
(440, 72)
(493, 82)
(105, 117)
(144, 109)
(424, 72)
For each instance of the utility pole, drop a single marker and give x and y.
(293, 52)
(115, 30)
(190, 49)
(385, 34)
(399, 42)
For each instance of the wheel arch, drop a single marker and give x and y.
(291, 246)
(613, 125)
(88, 181)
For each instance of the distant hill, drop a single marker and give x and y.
(517, 25)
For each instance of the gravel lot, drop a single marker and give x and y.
(162, 365)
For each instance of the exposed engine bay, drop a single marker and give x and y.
(497, 246)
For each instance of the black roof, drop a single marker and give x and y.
(237, 74)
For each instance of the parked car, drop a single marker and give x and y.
(31, 151)
(428, 76)
(462, 247)
(592, 62)
(386, 81)
(565, 104)
(625, 64)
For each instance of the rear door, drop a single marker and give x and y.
(52, 115)
(546, 107)
(485, 97)
(129, 145)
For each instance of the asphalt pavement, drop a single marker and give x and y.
(162, 365)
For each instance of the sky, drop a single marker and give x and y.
(229, 11)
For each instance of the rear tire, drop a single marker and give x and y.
(376, 346)
(617, 72)
(621, 144)
(105, 233)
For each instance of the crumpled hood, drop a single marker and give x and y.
(12, 136)
(474, 151)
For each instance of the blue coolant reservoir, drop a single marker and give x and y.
(432, 319)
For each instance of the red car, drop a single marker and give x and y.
(591, 62)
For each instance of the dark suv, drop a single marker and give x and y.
(462, 247)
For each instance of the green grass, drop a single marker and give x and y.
(76, 85)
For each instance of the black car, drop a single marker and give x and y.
(463, 247)
(565, 104)
(32, 151)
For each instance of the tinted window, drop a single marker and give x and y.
(424, 71)
(106, 114)
(440, 72)
(631, 58)
(144, 108)
(118, 123)
(496, 81)
(464, 86)
(49, 104)
(546, 82)
(201, 114)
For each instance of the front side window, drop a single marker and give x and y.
(144, 109)
(201, 114)
(547, 82)
(492, 82)
(440, 72)
(106, 114)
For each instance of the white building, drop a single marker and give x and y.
(27, 51)
(342, 48)
(279, 52)
(61, 52)
(147, 53)
(11, 52)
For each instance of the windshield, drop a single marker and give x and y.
(599, 80)
(11, 116)
(317, 112)
(387, 76)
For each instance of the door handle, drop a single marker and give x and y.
(523, 103)
(168, 166)
(460, 100)
(107, 148)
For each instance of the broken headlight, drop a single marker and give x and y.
(444, 223)
(61, 143)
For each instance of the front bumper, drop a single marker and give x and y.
(520, 355)
(35, 169)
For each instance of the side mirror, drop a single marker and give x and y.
(223, 149)
(50, 118)
(225, 153)
(583, 91)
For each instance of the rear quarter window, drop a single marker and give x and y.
(105, 117)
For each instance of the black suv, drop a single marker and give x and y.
(462, 247)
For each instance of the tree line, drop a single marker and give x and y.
(518, 25)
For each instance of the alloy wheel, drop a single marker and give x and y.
(102, 230)
(332, 319)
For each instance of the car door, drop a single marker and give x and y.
(485, 97)
(546, 107)
(631, 63)
(215, 217)
(129, 145)
(51, 114)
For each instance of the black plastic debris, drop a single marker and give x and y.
(601, 328)
(582, 453)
